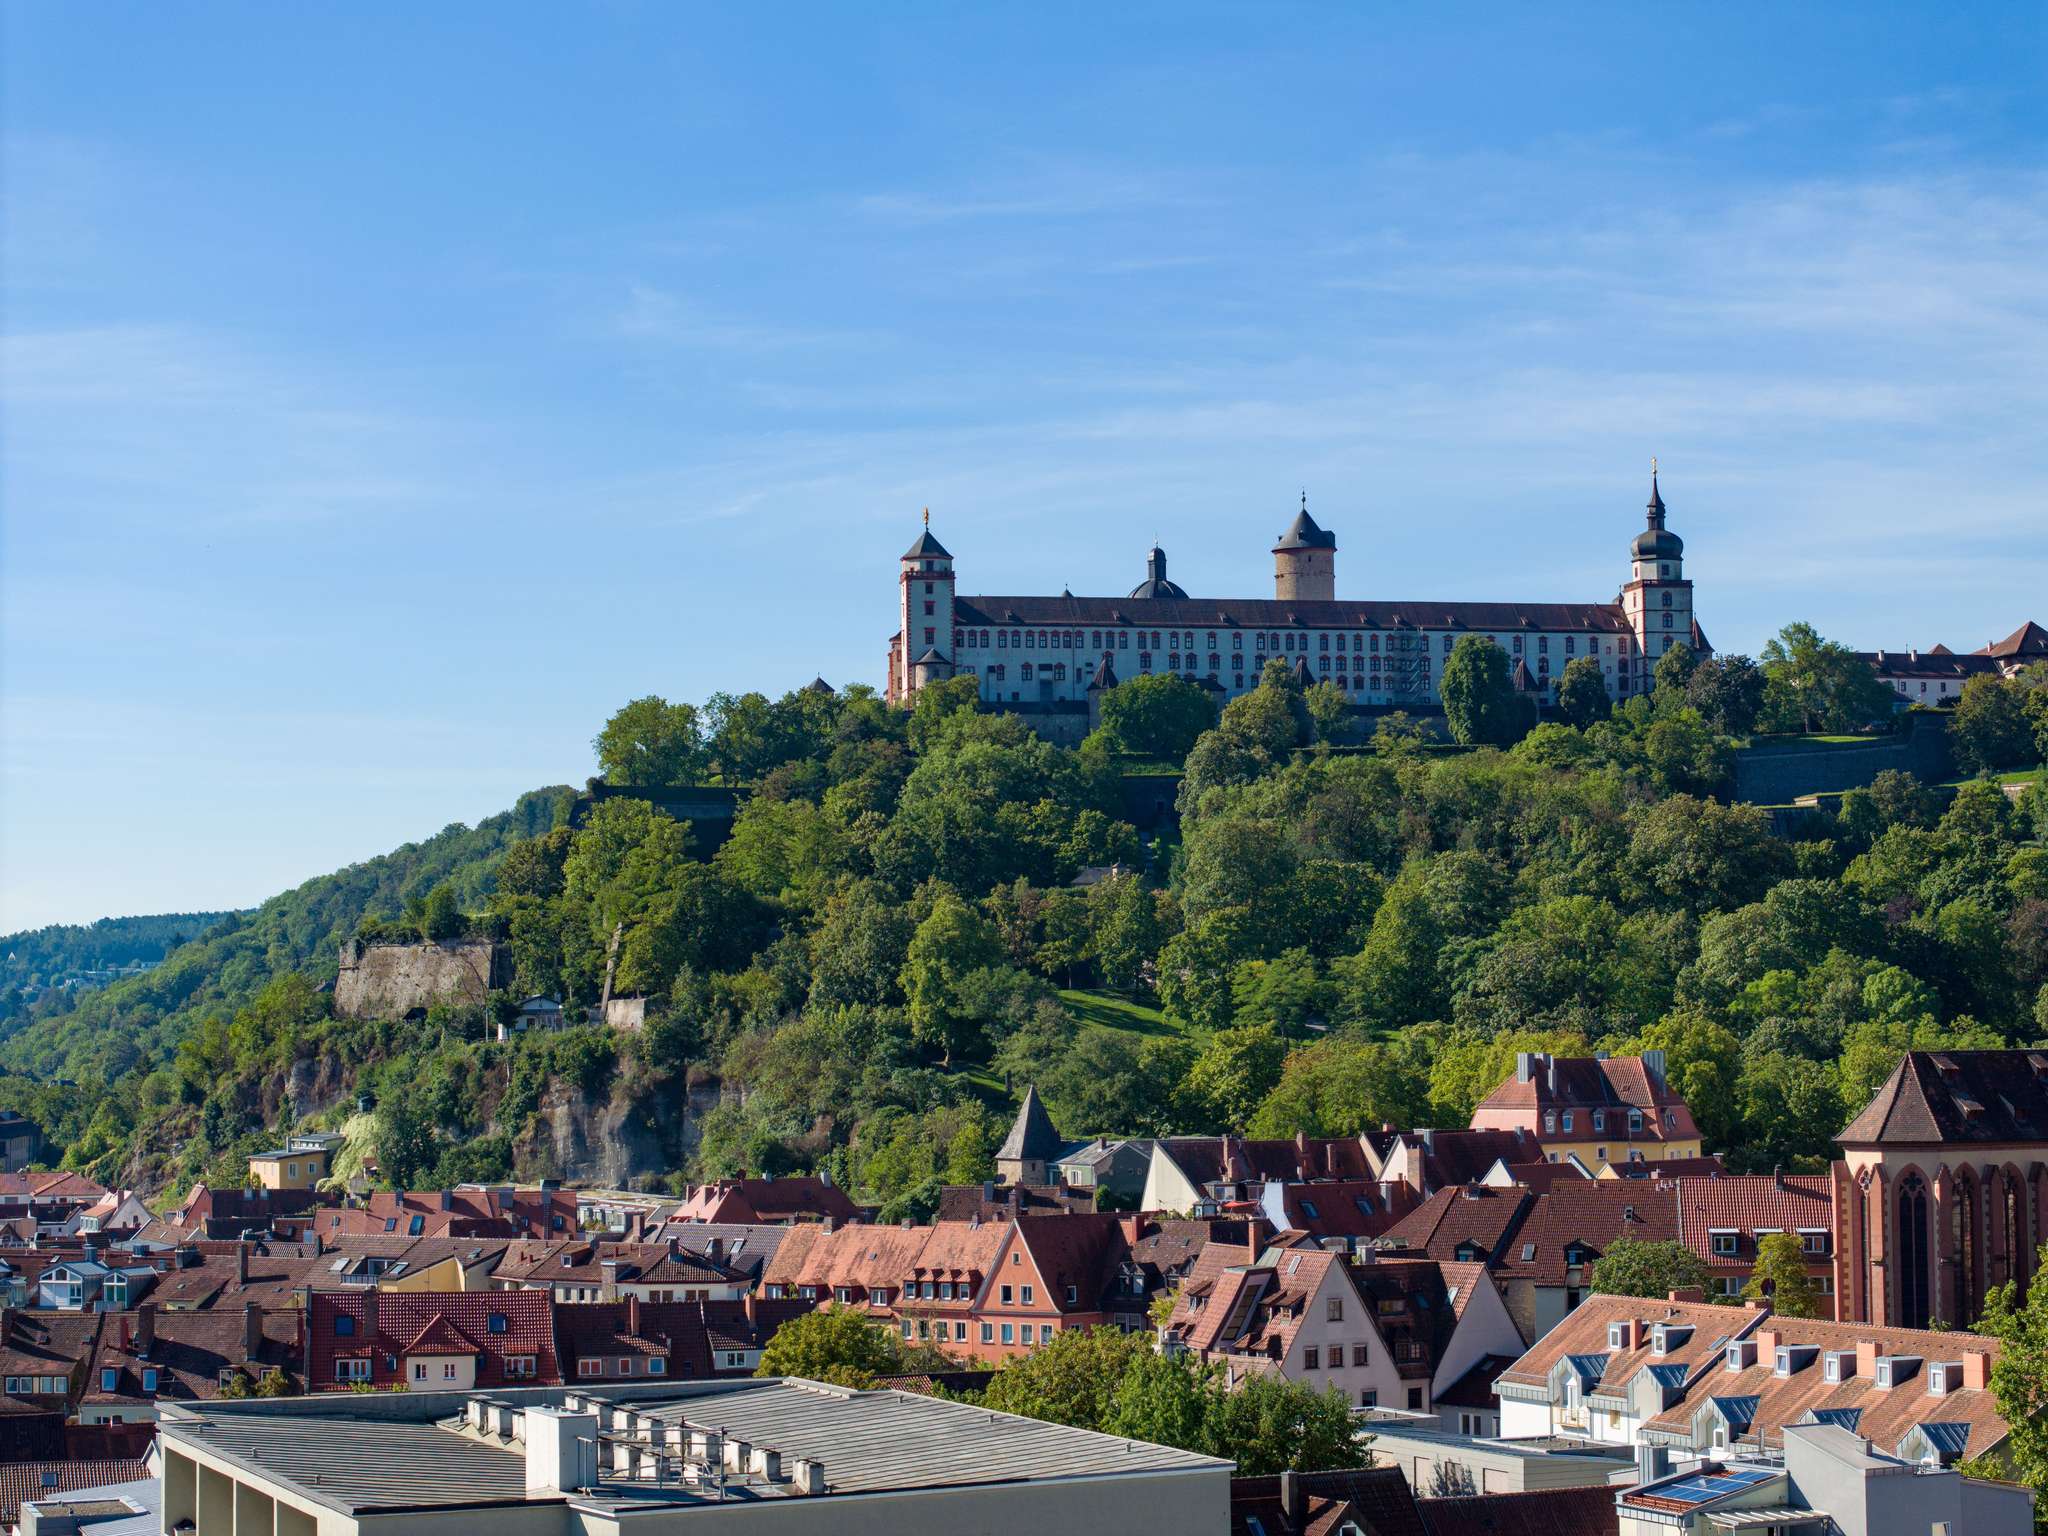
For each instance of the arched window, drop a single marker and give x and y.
(2016, 1249)
(1024, 672)
(1910, 1231)
(1963, 1229)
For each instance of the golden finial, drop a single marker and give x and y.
(928, 515)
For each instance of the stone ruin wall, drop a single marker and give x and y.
(388, 981)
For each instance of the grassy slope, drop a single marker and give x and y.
(1111, 1010)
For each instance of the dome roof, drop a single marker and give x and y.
(1155, 583)
(1658, 544)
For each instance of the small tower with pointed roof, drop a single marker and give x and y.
(925, 646)
(1030, 1147)
(1657, 602)
(1305, 561)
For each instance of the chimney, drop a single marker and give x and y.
(1133, 1226)
(145, 1327)
(1653, 1063)
(988, 1191)
(241, 1263)
(1652, 1462)
(1767, 1341)
(1290, 1498)
(633, 1316)
(370, 1315)
(1525, 1066)
(1866, 1359)
(747, 1301)
(561, 1450)
(1976, 1370)
(126, 1339)
(1687, 1293)
(447, 1199)
(1551, 1062)
(252, 1331)
(1778, 1175)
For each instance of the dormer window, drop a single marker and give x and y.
(149, 1378)
(1635, 1121)
(1617, 1335)
(1599, 1120)
(110, 1379)
(1550, 1122)
(1567, 1122)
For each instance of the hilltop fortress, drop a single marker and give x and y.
(1048, 658)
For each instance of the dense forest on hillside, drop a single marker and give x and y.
(40, 957)
(81, 1065)
(890, 943)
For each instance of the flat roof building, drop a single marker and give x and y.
(768, 1456)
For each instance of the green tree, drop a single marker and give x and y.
(1631, 1267)
(2019, 1376)
(1155, 717)
(1780, 1277)
(1479, 697)
(436, 916)
(1329, 709)
(1812, 684)
(1991, 728)
(948, 946)
(1073, 1380)
(1271, 1425)
(1582, 692)
(1728, 692)
(652, 742)
(1234, 1073)
(836, 1345)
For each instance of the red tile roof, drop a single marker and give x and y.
(768, 1200)
(403, 1316)
(1747, 1203)
(1614, 1084)
(24, 1482)
(190, 1351)
(1541, 1512)
(1937, 1097)
(1376, 1498)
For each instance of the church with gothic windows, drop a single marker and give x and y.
(1050, 658)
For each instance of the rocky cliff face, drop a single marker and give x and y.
(619, 1142)
(388, 981)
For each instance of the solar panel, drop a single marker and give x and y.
(1705, 1487)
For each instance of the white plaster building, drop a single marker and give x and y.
(1044, 656)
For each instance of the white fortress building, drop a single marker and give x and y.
(1047, 657)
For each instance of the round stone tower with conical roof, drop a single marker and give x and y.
(1305, 561)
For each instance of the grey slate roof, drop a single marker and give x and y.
(1031, 1133)
(1270, 613)
(392, 1456)
(1303, 533)
(927, 547)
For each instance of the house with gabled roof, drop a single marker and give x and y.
(1602, 1108)
(1724, 1220)
(1615, 1364)
(1540, 1245)
(784, 1201)
(148, 1357)
(392, 1339)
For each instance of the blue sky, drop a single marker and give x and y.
(391, 392)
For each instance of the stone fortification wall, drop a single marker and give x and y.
(1777, 776)
(388, 981)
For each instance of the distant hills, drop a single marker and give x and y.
(75, 954)
(101, 1034)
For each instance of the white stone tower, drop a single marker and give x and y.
(926, 655)
(1658, 599)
